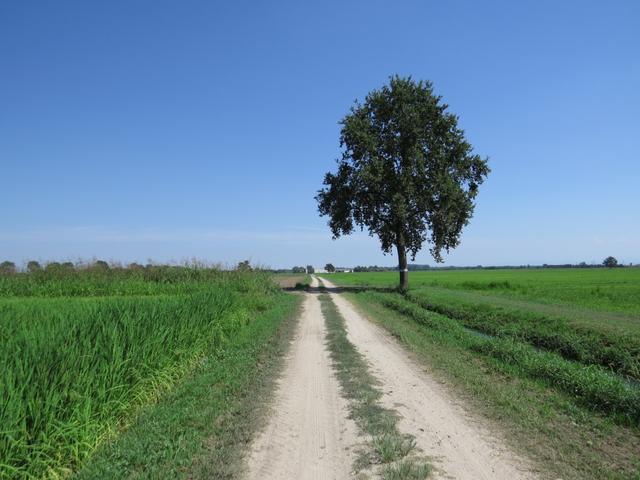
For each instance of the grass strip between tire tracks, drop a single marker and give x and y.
(391, 452)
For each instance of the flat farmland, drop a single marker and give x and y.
(615, 290)
(85, 353)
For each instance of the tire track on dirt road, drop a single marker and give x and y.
(460, 445)
(308, 435)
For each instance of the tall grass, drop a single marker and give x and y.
(75, 367)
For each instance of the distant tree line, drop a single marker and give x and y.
(609, 262)
(60, 268)
(307, 269)
(376, 268)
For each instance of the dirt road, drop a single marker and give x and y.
(310, 437)
(459, 444)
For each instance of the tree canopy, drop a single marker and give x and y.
(244, 266)
(610, 262)
(407, 173)
(33, 266)
(7, 267)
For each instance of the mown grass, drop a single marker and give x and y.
(565, 438)
(600, 289)
(391, 450)
(79, 362)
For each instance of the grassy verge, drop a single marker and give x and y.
(202, 427)
(618, 352)
(390, 451)
(565, 438)
(593, 386)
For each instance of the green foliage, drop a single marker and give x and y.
(33, 266)
(7, 268)
(610, 262)
(220, 403)
(329, 268)
(407, 173)
(153, 280)
(100, 265)
(84, 349)
(244, 266)
(310, 269)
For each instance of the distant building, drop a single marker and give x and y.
(344, 269)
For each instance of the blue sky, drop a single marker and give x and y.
(170, 130)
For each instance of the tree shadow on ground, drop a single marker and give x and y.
(321, 289)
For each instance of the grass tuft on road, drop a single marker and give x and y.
(390, 452)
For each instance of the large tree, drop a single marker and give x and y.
(407, 173)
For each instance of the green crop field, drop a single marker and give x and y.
(599, 289)
(83, 351)
(588, 315)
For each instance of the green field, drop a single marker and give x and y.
(615, 290)
(84, 351)
(588, 315)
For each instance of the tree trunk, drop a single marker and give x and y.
(402, 267)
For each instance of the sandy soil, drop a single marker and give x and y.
(459, 444)
(309, 435)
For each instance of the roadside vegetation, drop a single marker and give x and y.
(565, 389)
(84, 352)
(391, 454)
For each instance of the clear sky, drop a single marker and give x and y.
(166, 130)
